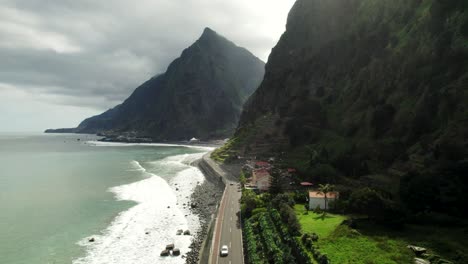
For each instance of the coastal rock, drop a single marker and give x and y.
(164, 253)
(170, 247)
(176, 252)
(179, 232)
(91, 239)
(186, 233)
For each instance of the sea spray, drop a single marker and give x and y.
(140, 233)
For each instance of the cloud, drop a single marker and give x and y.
(94, 53)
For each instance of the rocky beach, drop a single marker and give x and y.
(204, 204)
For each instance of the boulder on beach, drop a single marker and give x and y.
(179, 232)
(91, 239)
(187, 233)
(164, 253)
(170, 247)
(176, 252)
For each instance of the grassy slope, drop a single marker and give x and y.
(374, 244)
(344, 245)
(314, 223)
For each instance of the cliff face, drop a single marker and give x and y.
(359, 87)
(200, 95)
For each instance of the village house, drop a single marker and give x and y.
(261, 179)
(318, 199)
(262, 165)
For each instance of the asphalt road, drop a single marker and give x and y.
(228, 228)
(228, 223)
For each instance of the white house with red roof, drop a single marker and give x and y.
(261, 178)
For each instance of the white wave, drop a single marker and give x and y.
(136, 166)
(119, 144)
(126, 241)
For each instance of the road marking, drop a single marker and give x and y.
(230, 229)
(231, 218)
(230, 244)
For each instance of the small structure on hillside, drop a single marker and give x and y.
(194, 140)
(306, 185)
(262, 179)
(318, 199)
(262, 165)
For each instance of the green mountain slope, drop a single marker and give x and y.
(368, 87)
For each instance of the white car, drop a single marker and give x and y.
(224, 251)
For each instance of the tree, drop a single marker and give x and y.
(248, 202)
(325, 189)
(275, 184)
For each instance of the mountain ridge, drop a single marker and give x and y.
(200, 95)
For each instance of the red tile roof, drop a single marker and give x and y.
(262, 163)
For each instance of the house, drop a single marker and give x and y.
(261, 178)
(318, 199)
(262, 164)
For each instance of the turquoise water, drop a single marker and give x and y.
(54, 191)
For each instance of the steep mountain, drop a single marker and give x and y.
(372, 90)
(200, 95)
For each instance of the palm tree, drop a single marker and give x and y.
(325, 189)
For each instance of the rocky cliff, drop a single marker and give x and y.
(364, 87)
(200, 95)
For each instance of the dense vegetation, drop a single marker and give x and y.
(278, 229)
(372, 96)
(271, 230)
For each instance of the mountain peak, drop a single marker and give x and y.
(208, 31)
(209, 35)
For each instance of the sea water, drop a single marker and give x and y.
(57, 191)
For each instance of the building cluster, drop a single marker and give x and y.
(259, 178)
(260, 175)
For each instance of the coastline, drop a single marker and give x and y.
(217, 176)
(203, 202)
(205, 198)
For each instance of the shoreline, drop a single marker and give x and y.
(205, 200)
(216, 176)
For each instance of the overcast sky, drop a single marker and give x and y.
(64, 60)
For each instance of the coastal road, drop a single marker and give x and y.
(228, 229)
(228, 223)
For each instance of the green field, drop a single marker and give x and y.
(345, 245)
(315, 223)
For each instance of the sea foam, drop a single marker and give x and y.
(139, 234)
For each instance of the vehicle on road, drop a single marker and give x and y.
(224, 251)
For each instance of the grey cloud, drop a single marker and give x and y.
(94, 53)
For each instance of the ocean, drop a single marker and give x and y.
(57, 191)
